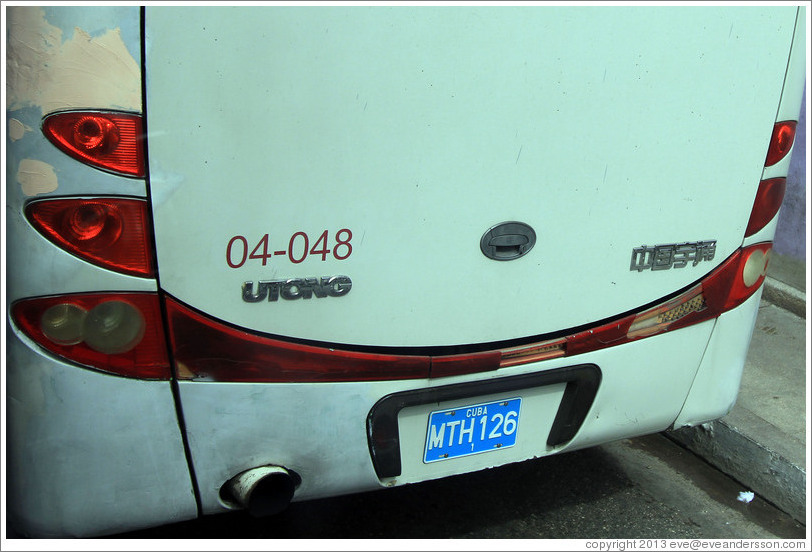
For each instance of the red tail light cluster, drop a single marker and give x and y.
(771, 192)
(119, 333)
(209, 350)
(769, 196)
(109, 141)
(123, 333)
(110, 232)
(727, 287)
(781, 142)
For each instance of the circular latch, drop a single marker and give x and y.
(507, 241)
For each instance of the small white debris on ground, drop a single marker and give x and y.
(746, 497)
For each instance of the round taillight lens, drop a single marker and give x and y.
(755, 267)
(94, 225)
(95, 134)
(64, 323)
(114, 327)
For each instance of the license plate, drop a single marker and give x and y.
(472, 429)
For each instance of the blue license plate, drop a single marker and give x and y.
(472, 429)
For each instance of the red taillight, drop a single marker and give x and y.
(744, 274)
(768, 200)
(453, 365)
(727, 287)
(208, 350)
(780, 142)
(107, 141)
(119, 333)
(109, 232)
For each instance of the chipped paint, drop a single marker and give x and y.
(36, 177)
(16, 129)
(84, 71)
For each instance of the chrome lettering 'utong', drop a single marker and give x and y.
(676, 255)
(296, 288)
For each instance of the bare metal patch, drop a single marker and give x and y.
(45, 72)
(36, 177)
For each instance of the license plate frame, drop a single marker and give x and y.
(494, 425)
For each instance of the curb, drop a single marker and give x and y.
(762, 470)
(745, 446)
(785, 296)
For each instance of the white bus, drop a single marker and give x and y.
(268, 254)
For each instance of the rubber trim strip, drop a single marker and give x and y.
(382, 422)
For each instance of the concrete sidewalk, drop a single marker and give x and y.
(761, 443)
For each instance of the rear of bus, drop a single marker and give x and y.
(268, 254)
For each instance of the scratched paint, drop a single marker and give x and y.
(84, 71)
(36, 177)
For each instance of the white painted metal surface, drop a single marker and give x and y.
(414, 130)
(89, 453)
(419, 129)
(716, 385)
(319, 430)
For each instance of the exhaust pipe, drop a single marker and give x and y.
(263, 491)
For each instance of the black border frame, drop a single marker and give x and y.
(582, 382)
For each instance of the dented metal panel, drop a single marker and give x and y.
(88, 453)
(716, 385)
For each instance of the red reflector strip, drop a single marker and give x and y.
(112, 142)
(211, 351)
(207, 350)
(454, 365)
(147, 360)
(768, 201)
(780, 142)
(108, 232)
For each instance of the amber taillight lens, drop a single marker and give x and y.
(109, 141)
(108, 232)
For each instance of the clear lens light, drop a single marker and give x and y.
(114, 327)
(659, 319)
(63, 324)
(755, 267)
